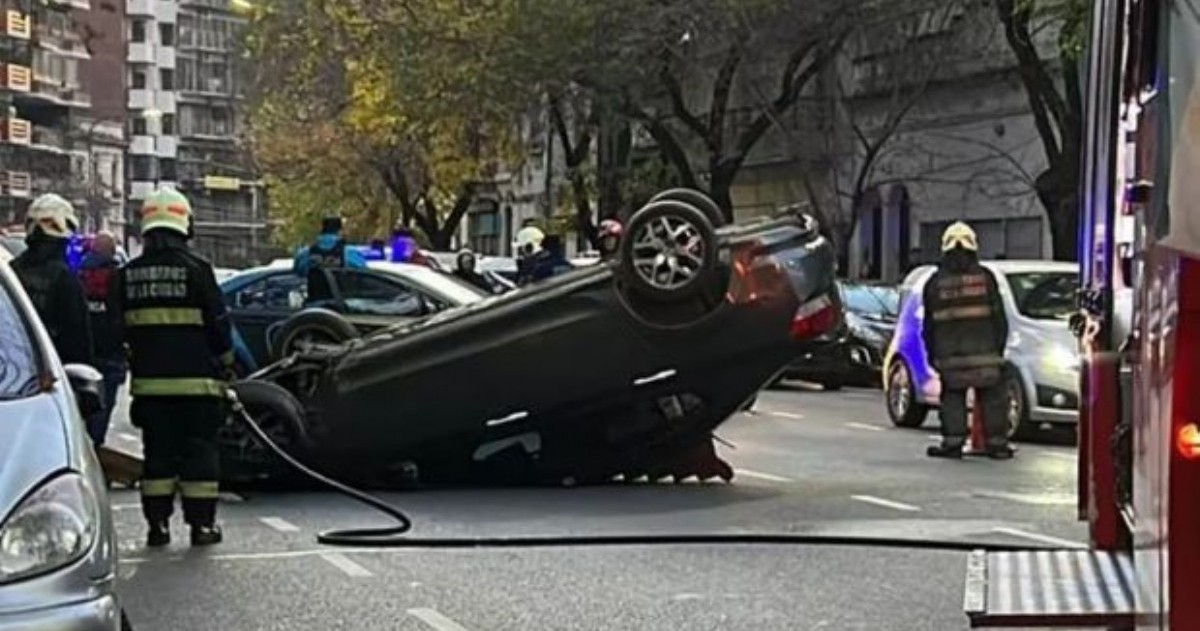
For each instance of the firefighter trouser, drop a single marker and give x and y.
(179, 437)
(993, 405)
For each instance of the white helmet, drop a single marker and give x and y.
(53, 215)
(529, 240)
(959, 235)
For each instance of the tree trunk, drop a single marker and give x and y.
(1060, 200)
(723, 173)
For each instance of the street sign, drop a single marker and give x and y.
(222, 183)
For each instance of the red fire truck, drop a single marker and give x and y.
(1139, 329)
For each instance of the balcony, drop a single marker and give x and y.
(16, 78)
(140, 189)
(166, 10)
(141, 145)
(141, 99)
(48, 139)
(140, 53)
(53, 91)
(16, 183)
(165, 102)
(165, 57)
(141, 7)
(17, 25)
(16, 131)
(167, 146)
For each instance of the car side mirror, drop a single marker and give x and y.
(88, 386)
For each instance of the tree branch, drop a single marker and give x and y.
(722, 87)
(678, 104)
(1045, 103)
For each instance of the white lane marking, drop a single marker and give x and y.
(759, 475)
(1061, 456)
(435, 619)
(344, 564)
(865, 426)
(126, 436)
(282, 525)
(117, 507)
(791, 415)
(1033, 536)
(879, 501)
(1033, 499)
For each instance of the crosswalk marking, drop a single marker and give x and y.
(350, 568)
(879, 501)
(281, 525)
(865, 426)
(769, 477)
(435, 619)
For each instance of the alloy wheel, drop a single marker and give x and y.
(668, 253)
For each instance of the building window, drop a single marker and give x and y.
(143, 168)
(186, 29)
(137, 31)
(220, 120)
(166, 78)
(166, 34)
(139, 126)
(139, 80)
(167, 170)
(168, 125)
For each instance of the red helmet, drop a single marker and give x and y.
(610, 227)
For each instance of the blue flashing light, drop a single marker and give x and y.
(76, 248)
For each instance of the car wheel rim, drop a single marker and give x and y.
(1015, 410)
(899, 391)
(246, 448)
(668, 253)
(312, 340)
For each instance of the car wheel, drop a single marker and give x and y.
(312, 327)
(697, 200)
(669, 253)
(902, 404)
(279, 415)
(1017, 414)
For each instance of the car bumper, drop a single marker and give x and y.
(836, 359)
(100, 614)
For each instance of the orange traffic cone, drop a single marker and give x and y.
(977, 446)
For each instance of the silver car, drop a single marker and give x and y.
(57, 545)
(1039, 297)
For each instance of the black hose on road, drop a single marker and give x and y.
(393, 536)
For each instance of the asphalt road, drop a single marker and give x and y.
(807, 462)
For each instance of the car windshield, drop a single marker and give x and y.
(450, 287)
(18, 359)
(1045, 295)
(15, 245)
(871, 299)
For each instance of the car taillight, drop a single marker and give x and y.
(814, 318)
(1187, 442)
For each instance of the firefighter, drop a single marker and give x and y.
(327, 252)
(52, 287)
(965, 331)
(181, 358)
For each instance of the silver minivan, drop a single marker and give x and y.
(58, 566)
(1039, 297)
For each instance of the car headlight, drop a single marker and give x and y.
(52, 527)
(1061, 359)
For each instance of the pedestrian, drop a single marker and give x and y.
(55, 292)
(181, 359)
(965, 331)
(328, 251)
(465, 270)
(609, 237)
(97, 275)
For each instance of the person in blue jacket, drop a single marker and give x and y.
(327, 252)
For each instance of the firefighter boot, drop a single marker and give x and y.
(948, 449)
(157, 511)
(201, 515)
(159, 534)
(206, 535)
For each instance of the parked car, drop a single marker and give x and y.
(12, 244)
(852, 354)
(224, 273)
(58, 566)
(1043, 358)
(260, 300)
(625, 367)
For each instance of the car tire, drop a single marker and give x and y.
(696, 199)
(901, 398)
(1017, 410)
(321, 325)
(280, 415)
(656, 265)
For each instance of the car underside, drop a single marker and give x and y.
(620, 369)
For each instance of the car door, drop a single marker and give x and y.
(262, 303)
(372, 300)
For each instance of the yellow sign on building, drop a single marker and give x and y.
(222, 183)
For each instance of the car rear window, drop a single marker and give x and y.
(1045, 295)
(18, 359)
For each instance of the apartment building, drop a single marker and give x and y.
(183, 102)
(44, 107)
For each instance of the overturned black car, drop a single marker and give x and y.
(619, 369)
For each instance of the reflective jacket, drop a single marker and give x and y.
(965, 328)
(57, 297)
(175, 323)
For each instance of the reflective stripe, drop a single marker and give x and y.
(962, 313)
(178, 387)
(199, 490)
(164, 316)
(227, 358)
(162, 487)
